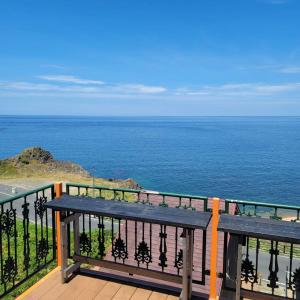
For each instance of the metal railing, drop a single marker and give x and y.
(27, 237)
(27, 240)
(140, 244)
(266, 210)
(268, 267)
(141, 196)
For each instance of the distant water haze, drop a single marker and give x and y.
(253, 158)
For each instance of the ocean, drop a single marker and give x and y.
(249, 158)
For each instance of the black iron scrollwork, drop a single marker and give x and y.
(273, 266)
(9, 270)
(85, 243)
(119, 250)
(39, 205)
(26, 236)
(179, 260)
(143, 254)
(248, 272)
(7, 221)
(295, 284)
(163, 247)
(42, 249)
(101, 238)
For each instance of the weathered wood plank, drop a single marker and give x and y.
(141, 294)
(108, 292)
(158, 296)
(124, 293)
(133, 211)
(261, 228)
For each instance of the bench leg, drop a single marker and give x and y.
(64, 249)
(76, 236)
(187, 277)
(238, 268)
(65, 269)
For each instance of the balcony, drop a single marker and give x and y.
(30, 247)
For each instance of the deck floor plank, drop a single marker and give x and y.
(141, 294)
(88, 288)
(158, 296)
(125, 292)
(94, 287)
(45, 287)
(109, 291)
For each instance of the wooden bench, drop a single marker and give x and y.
(255, 227)
(75, 206)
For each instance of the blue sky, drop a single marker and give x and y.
(171, 57)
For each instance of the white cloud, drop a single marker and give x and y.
(71, 86)
(241, 89)
(276, 2)
(291, 70)
(70, 79)
(141, 88)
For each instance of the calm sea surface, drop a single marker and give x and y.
(254, 158)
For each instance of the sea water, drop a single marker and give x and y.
(253, 158)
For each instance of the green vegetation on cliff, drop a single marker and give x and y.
(39, 164)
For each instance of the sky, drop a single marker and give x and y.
(158, 58)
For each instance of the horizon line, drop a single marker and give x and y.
(148, 116)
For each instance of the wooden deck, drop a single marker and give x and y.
(87, 288)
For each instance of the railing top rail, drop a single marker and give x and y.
(245, 202)
(136, 191)
(22, 195)
(265, 204)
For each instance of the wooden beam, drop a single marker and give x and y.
(58, 193)
(71, 218)
(214, 249)
(128, 269)
(238, 269)
(71, 269)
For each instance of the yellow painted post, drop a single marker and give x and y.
(58, 193)
(214, 249)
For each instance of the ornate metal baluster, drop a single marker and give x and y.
(163, 203)
(15, 241)
(138, 198)
(143, 254)
(178, 254)
(248, 273)
(147, 202)
(291, 265)
(163, 247)
(190, 205)
(90, 231)
(47, 233)
(8, 223)
(296, 280)
(180, 203)
(244, 210)
(256, 258)
(123, 197)
(101, 237)
(84, 241)
(135, 239)
(119, 248)
(273, 267)
(42, 247)
(150, 234)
